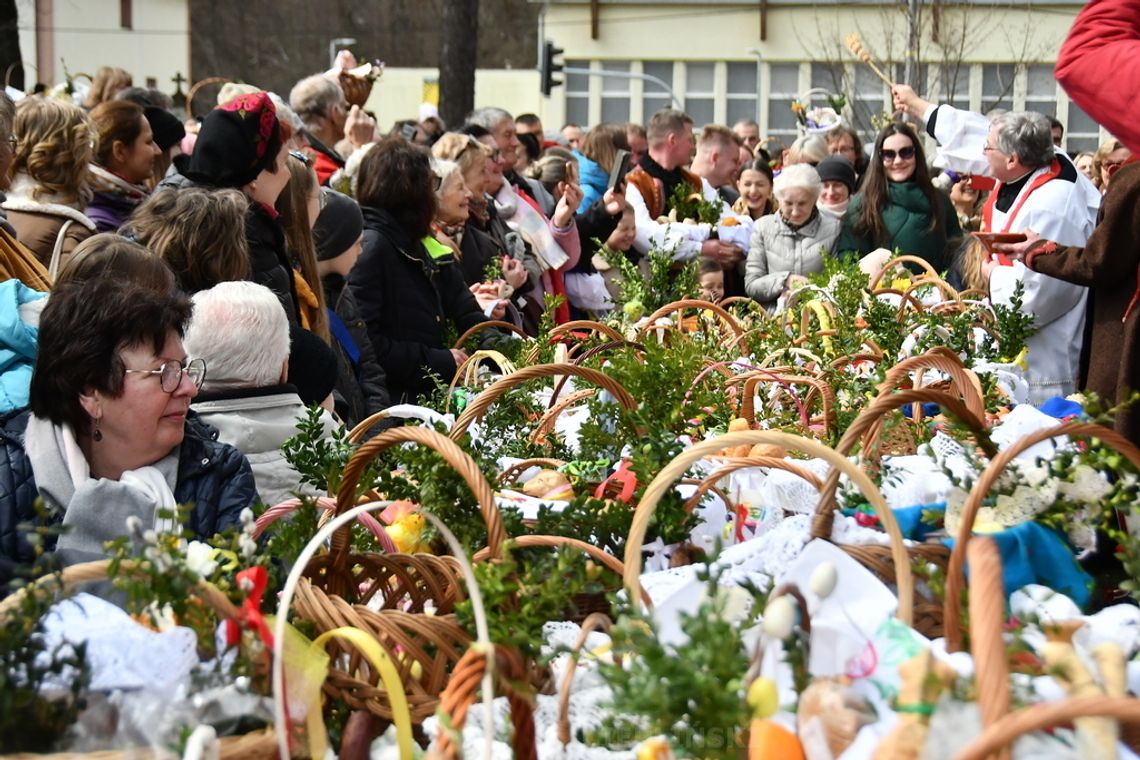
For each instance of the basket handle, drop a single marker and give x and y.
(595, 621)
(461, 691)
(507, 477)
(530, 541)
(714, 477)
(550, 416)
(867, 427)
(483, 401)
(942, 359)
(677, 468)
(86, 572)
(468, 371)
(1045, 714)
(987, 615)
(488, 325)
(897, 261)
(955, 570)
(452, 454)
(693, 303)
(816, 385)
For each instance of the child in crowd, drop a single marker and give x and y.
(711, 280)
(361, 388)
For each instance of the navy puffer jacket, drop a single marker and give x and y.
(212, 476)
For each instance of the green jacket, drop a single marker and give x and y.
(907, 221)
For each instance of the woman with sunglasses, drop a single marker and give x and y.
(898, 208)
(108, 437)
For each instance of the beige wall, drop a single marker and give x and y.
(87, 35)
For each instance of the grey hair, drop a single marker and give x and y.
(240, 329)
(488, 118)
(808, 149)
(803, 176)
(1027, 135)
(313, 97)
(444, 169)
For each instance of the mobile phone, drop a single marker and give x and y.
(620, 169)
(408, 132)
(982, 183)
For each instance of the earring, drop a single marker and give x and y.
(97, 434)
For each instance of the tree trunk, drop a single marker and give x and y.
(457, 54)
(11, 64)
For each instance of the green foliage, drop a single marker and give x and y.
(692, 206)
(527, 588)
(1013, 325)
(692, 693)
(319, 458)
(30, 721)
(668, 281)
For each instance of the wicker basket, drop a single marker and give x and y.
(574, 333)
(730, 327)
(509, 671)
(489, 325)
(673, 472)
(955, 569)
(259, 745)
(867, 429)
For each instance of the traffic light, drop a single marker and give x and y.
(549, 67)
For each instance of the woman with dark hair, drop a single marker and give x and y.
(108, 438)
(755, 188)
(898, 208)
(110, 255)
(125, 152)
(407, 284)
(243, 145)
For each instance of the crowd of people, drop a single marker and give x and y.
(210, 279)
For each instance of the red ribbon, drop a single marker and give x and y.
(249, 614)
(623, 475)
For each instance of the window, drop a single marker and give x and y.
(699, 92)
(615, 93)
(868, 103)
(954, 85)
(1040, 89)
(997, 86)
(1081, 133)
(654, 97)
(577, 94)
(783, 88)
(743, 84)
(126, 15)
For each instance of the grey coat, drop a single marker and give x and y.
(776, 250)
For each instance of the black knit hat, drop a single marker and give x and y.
(237, 141)
(312, 366)
(168, 130)
(836, 168)
(338, 226)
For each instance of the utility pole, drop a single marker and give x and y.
(458, 50)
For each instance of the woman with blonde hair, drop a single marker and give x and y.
(108, 81)
(807, 149)
(596, 160)
(49, 179)
(1109, 157)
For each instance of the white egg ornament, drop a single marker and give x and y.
(823, 580)
(780, 617)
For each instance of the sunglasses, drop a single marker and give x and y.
(905, 154)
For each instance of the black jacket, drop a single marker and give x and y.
(212, 476)
(268, 259)
(477, 250)
(361, 387)
(407, 298)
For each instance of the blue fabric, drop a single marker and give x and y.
(929, 409)
(1033, 553)
(340, 331)
(593, 179)
(910, 519)
(18, 343)
(1060, 408)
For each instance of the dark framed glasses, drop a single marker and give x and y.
(170, 373)
(905, 154)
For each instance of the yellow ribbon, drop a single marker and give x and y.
(306, 666)
(824, 323)
(231, 559)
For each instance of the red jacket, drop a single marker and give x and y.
(1099, 66)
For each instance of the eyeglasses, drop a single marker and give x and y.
(302, 157)
(905, 154)
(170, 373)
(988, 148)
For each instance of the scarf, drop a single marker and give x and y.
(805, 223)
(477, 208)
(670, 178)
(452, 233)
(106, 182)
(95, 510)
(307, 304)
